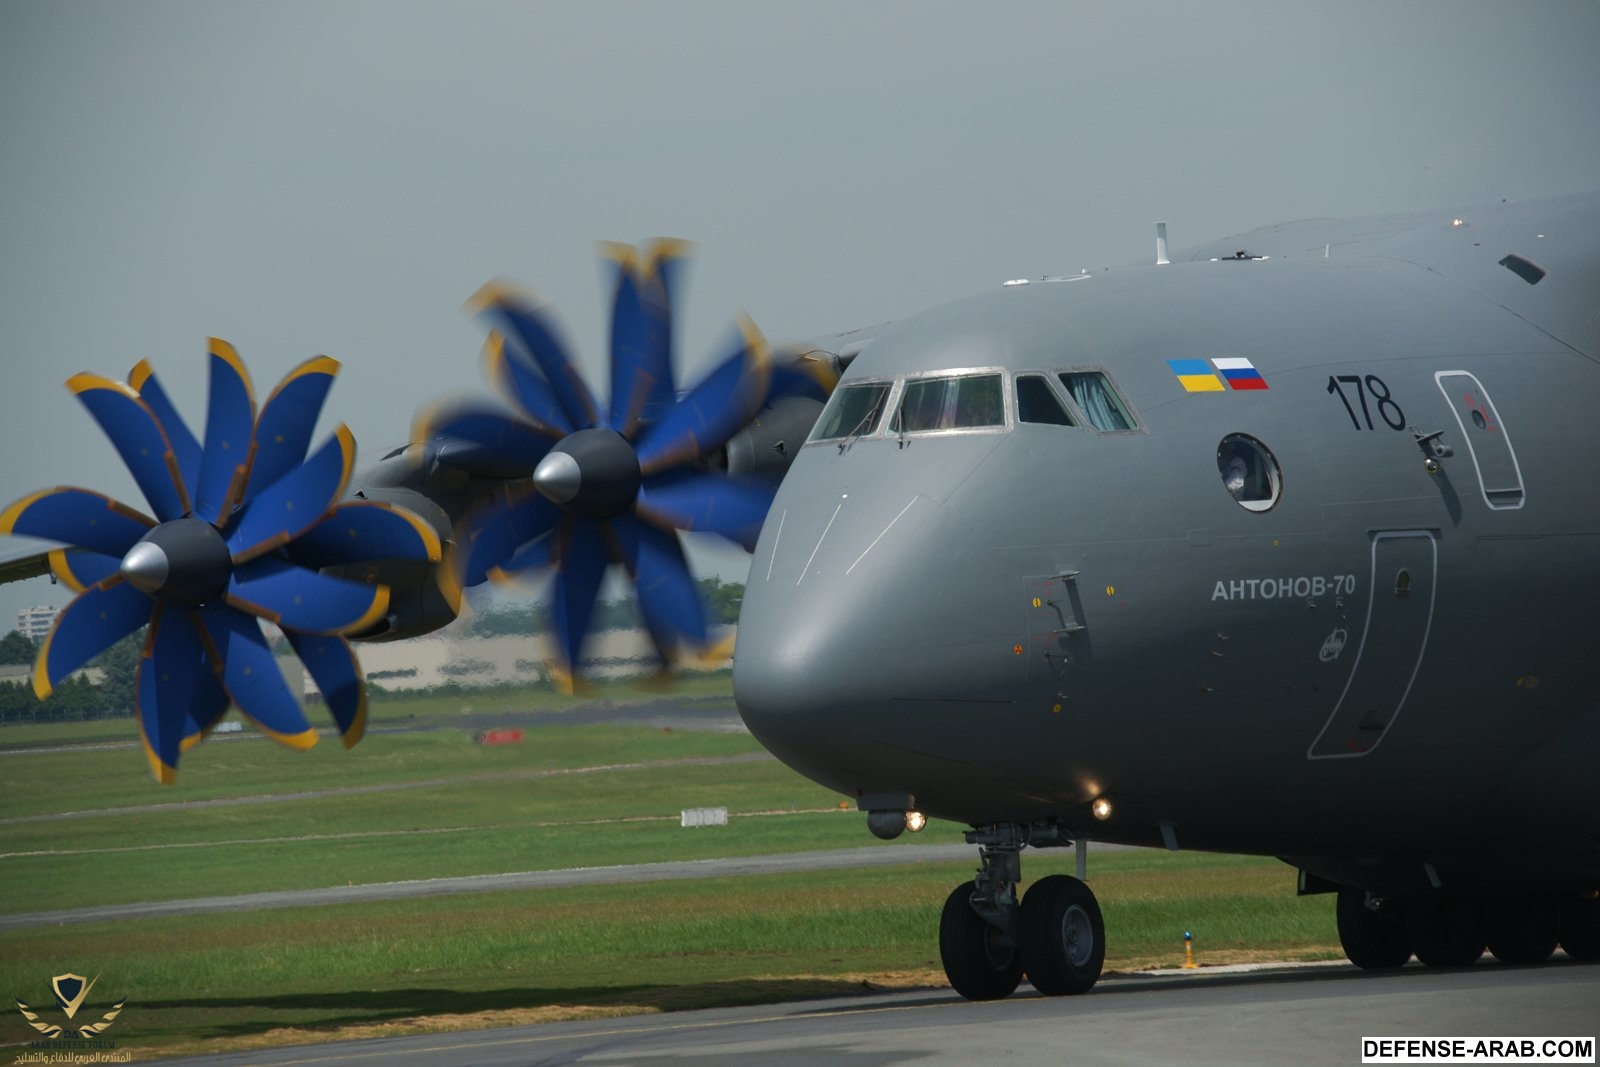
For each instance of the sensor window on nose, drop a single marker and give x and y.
(1249, 472)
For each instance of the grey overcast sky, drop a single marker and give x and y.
(337, 177)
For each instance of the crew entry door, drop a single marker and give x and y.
(1399, 617)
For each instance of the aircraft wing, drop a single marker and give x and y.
(21, 562)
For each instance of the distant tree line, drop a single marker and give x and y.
(722, 600)
(76, 698)
(117, 692)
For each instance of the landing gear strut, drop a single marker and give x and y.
(987, 940)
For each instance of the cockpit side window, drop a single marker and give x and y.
(955, 403)
(1037, 402)
(852, 411)
(1097, 398)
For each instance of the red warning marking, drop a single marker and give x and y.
(500, 737)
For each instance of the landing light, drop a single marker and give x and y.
(915, 821)
(1101, 807)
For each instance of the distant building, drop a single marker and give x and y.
(36, 622)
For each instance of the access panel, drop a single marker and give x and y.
(1488, 444)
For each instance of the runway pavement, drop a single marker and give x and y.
(1302, 1015)
(732, 867)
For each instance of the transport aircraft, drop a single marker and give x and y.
(1282, 545)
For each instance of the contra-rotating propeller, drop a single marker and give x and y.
(614, 484)
(243, 520)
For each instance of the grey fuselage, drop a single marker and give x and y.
(1388, 667)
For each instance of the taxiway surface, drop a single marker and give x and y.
(1304, 1015)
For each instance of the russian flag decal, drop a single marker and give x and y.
(1240, 373)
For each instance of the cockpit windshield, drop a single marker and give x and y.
(973, 400)
(1097, 399)
(955, 403)
(852, 411)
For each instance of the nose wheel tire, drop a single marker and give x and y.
(1063, 936)
(978, 958)
(1445, 931)
(1373, 940)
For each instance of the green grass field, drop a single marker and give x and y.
(247, 815)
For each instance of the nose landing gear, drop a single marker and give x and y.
(980, 959)
(988, 941)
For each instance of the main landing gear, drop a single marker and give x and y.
(1445, 931)
(988, 941)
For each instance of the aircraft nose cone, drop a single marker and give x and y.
(145, 567)
(593, 472)
(558, 477)
(851, 666)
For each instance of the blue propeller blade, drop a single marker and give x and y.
(283, 430)
(252, 676)
(184, 445)
(210, 701)
(663, 263)
(138, 439)
(97, 619)
(299, 599)
(296, 502)
(363, 531)
(582, 566)
(480, 439)
(533, 556)
(334, 668)
(641, 330)
(714, 410)
(668, 598)
(78, 570)
(528, 327)
(525, 385)
(495, 531)
(706, 502)
(230, 436)
(78, 517)
(172, 672)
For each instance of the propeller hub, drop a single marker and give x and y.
(558, 477)
(184, 561)
(592, 472)
(145, 567)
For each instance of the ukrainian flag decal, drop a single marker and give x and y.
(1195, 375)
(1201, 375)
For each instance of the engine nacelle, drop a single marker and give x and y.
(766, 447)
(415, 478)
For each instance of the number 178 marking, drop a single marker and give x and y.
(1388, 410)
